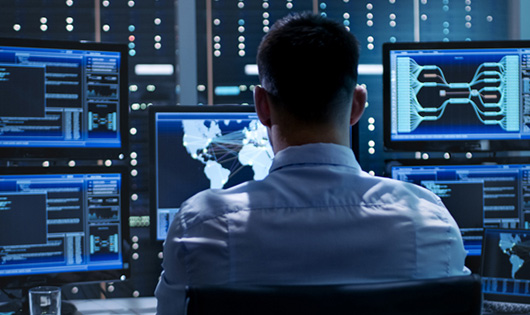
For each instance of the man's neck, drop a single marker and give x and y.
(282, 139)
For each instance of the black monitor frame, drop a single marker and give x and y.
(26, 281)
(519, 141)
(76, 151)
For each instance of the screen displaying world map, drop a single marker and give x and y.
(506, 254)
(197, 151)
(517, 250)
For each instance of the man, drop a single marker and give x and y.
(317, 218)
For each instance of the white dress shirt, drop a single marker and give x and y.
(317, 218)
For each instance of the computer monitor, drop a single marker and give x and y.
(478, 196)
(63, 99)
(194, 148)
(456, 96)
(505, 270)
(63, 225)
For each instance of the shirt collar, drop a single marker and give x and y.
(315, 153)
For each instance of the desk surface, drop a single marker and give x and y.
(130, 306)
(138, 306)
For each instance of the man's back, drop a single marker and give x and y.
(317, 218)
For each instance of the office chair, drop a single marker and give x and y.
(460, 295)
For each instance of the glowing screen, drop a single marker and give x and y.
(218, 147)
(60, 97)
(75, 221)
(459, 94)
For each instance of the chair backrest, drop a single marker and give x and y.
(446, 296)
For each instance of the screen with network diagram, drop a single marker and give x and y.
(201, 147)
(458, 91)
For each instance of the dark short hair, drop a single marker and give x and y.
(308, 64)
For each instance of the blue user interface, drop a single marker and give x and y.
(477, 196)
(57, 223)
(59, 98)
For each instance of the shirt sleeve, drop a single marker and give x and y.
(171, 297)
(171, 289)
(195, 253)
(440, 247)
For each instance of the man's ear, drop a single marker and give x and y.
(262, 104)
(358, 104)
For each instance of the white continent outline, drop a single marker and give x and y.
(206, 142)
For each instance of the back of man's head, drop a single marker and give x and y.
(308, 65)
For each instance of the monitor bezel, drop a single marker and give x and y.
(465, 145)
(62, 278)
(18, 152)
